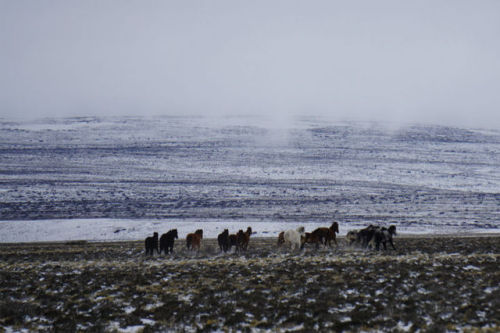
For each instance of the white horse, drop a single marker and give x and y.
(293, 238)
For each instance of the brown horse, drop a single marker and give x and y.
(194, 240)
(233, 241)
(312, 238)
(326, 235)
(243, 239)
(281, 238)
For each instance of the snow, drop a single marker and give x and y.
(126, 177)
(471, 268)
(137, 229)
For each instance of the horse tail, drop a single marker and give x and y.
(146, 245)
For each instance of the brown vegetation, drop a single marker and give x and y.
(431, 283)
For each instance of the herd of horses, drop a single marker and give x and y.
(295, 239)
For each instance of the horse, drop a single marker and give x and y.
(244, 239)
(373, 236)
(233, 241)
(384, 235)
(326, 235)
(151, 244)
(351, 237)
(364, 236)
(281, 238)
(193, 240)
(310, 238)
(294, 238)
(167, 241)
(223, 240)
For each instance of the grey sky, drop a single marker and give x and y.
(435, 61)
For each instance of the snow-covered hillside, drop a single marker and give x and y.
(242, 170)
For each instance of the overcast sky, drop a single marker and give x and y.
(433, 61)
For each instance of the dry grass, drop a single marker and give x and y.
(429, 283)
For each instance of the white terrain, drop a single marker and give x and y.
(123, 178)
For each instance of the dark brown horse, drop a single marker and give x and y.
(223, 240)
(151, 244)
(233, 241)
(326, 235)
(281, 238)
(167, 241)
(312, 238)
(193, 241)
(244, 239)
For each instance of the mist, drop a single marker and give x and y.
(423, 61)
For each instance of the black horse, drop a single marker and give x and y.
(375, 235)
(223, 240)
(365, 235)
(151, 244)
(384, 235)
(167, 241)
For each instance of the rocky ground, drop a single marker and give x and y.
(429, 283)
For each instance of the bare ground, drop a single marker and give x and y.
(429, 283)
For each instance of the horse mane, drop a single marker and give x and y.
(392, 230)
(172, 233)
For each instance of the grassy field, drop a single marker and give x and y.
(429, 283)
